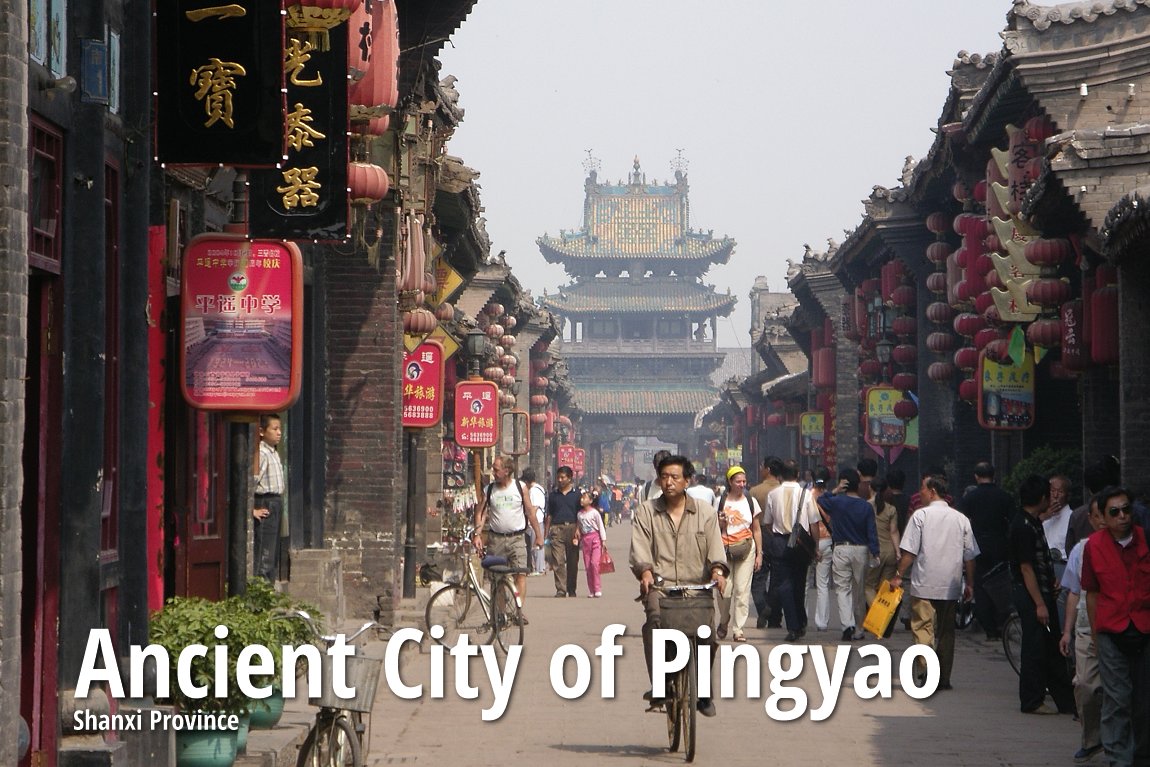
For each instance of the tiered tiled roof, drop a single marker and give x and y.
(636, 400)
(622, 297)
(690, 247)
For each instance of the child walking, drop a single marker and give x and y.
(590, 535)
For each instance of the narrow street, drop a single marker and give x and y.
(977, 723)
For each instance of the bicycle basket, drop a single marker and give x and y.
(361, 674)
(686, 613)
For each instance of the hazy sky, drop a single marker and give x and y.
(788, 114)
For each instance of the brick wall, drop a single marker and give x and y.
(13, 350)
(365, 495)
(1134, 348)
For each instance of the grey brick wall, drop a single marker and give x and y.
(1134, 343)
(13, 351)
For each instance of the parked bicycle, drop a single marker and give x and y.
(337, 737)
(486, 616)
(684, 608)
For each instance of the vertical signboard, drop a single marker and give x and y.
(241, 308)
(305, 196)
(422, 392)
(883, 427)
(566, 456)
(1005, 393)
(579, 461)
(219, 79)
(476, 414)
(812, 432)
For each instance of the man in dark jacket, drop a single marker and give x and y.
(989, 508)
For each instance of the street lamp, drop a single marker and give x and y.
(883, 350)
(475, 347)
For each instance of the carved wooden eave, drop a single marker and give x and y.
(1127, 226)
(424, 28)
(794, 386)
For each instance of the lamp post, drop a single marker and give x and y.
(883, 350)
(475, 347)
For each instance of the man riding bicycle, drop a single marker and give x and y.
(676, 538)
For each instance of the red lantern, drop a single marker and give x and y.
(982, 302)
(1045, 332)
(983, 337)
(940, 342)
(539, 400)
(991, 315)
(1048, 292)
(493, 309)
(960, 191)
(993, 280)
(936, 282)
(903, 296)
(1037, 128)
(1048, 253)
(564, 420)
(968, 390)
(904, 326)
(969, 225)
(998, 350)
(936, 252)
(939, 312)
(940, 372)
(507, 341)
(823, 370)
(937, 222)
(992, 243)
(507, 381)
(539, 382)
(445, 312)
(870, 286)
(982, 265)
(905, 409)
(538, 418)
(979, 191)
(870, 368)
(891, 276)
(967, 324)
(1104, 324)
(969, 288)
(494, 331)
(966, 358)
(509, 360)
(492, 372)
(776, 419)
(367, 183)
(904, 354)
(904, 381)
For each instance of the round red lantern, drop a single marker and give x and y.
(510, 322)
(937, 222)
(870, 286)
(823, 368)
(1048, 252)
(904, 354)
(445, 312)
(982, 265)
(940, 342)
(940, 311)
(968, 323)
(936, 252)
(904, 326)
(936, 282)
(991, 315)
(494, 331)
(982, 302)
(998, 350)
(492, 372)
(1048, 292)
(979, 191)
(1104, 325)
(564, 420)
(960, 191)
(507, 381)
(905, 409)
(1045, 332)
(1037, 129)
(870, 368)
(968, 224)
(968, 390)
(992, 243)
(994, 280)
(969, 288)
(904, 381)
(366, 182)
(539, 382)
(940, 372)
(538, 418)
(509, 360)
(539, 400)
(983, 337)
(966, 358)
(493, 309)
(776, 419)
(902, 296)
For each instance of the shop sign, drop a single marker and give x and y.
(305, 196)
(812, 433)
(567, 455)
(476, 414)
(422, 393)
(579, 461)
(241, 308)
(883, 428)
(1006, 393)
(219, 83)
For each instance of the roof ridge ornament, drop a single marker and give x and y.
(591, 164)
(638, 178)
(1043, 16)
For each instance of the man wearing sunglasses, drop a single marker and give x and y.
(1116, 577)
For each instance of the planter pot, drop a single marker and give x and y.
(242, 733)
(266, 713)
(205, 748)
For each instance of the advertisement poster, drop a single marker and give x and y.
(242, 322)
(476, 414)
(883, 427)
(422, 391)
(1006, 393)
(567, 455)
(812, 433)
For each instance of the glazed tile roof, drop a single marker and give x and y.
(624, 297)
(691, 247)
(657, 400)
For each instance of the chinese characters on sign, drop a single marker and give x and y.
(476, 414)
(242, 321)
(305, 197)
(219, 79)
(883, 427)
(423, 386)
(812, 431)
(1005, 393)
(567, 455)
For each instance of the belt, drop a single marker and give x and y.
(844, 543)
(269, 495)
(507, 535)
(781, 535)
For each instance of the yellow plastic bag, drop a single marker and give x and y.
(882, 609)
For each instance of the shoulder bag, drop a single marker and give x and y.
(801, 538)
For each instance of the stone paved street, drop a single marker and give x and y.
(977, 723)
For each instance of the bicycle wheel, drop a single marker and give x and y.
(688, 706)
(331, 742)
(505, 616)
(1012, 642)
(674, 721)
(456, 608)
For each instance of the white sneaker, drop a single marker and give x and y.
(598, 593)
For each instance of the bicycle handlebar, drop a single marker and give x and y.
(328, 639)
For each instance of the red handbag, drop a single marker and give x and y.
(606, 564)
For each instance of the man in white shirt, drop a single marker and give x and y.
(937, 547)
(787, 505)
(1057, 518)
(538, 496)
(504, 514)
(701, 491)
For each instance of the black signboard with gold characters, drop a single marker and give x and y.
(219, 82)
(306, 197)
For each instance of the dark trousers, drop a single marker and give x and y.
(1043, 667)
(565, 555)
(788, 581)
(266, 538)
(986, 604)
(1123, 663)
(765, 598)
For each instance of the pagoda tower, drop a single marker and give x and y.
(638, 322)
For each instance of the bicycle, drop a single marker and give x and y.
(684, 608)
(337, 736)
(486, 617)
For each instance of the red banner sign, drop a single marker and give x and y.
(579, 461)
(241, 309)
(567, 455)
(476, 414)
(423, 386)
